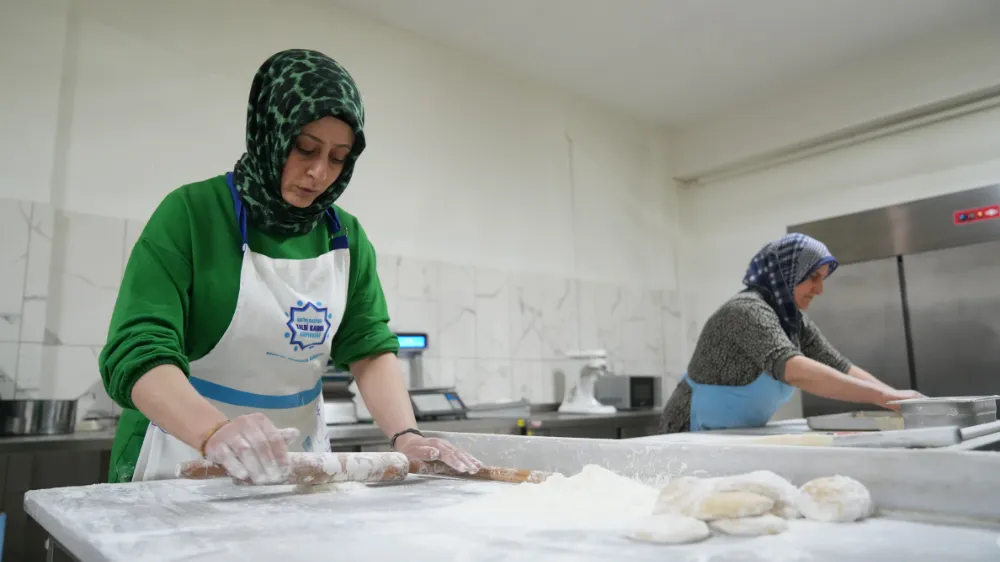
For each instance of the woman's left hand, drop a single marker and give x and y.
(430, 449)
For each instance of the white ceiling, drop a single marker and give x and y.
(675, 61)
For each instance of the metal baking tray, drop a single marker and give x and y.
(960, 411)
(856, 421)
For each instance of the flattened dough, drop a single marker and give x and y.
(729, 505)
(836, 499)
(687, 495)
(670, 529)
(766, 524)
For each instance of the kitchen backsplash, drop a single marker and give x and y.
(495, 335)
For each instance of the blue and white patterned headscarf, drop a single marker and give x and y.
(781, 265)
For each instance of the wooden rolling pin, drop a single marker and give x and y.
(325, 468)
(492, 473)
(319, 468)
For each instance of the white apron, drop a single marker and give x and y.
(272, 356)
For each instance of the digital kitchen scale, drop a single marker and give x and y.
(437, 404)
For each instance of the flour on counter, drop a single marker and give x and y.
(596, 498)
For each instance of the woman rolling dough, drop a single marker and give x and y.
(242, 286)
(759, 346)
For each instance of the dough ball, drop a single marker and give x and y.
(725, 497)
(763, 482)
(670, 529)
(837, 499)
(682, 495)
(729, 505)
(766, 524)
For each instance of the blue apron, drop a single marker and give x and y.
(716, 406)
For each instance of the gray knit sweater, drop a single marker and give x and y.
(740, 341)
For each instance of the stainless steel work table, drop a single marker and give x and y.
(924, 517)
(990, 442)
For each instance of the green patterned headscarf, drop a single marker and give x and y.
(291, 89)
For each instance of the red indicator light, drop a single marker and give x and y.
(975, 215)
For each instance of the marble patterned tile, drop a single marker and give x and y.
(526, 380)
(543, 317)
(416, 302)
(417, 279)
(456, 311)
(57, 372)
(439, 372)
(39, 274)
(86, 274)
(69, 371)
(540, 381)
(8, 369)
(644, 328)
(560, 318)
(492, 314)
(626, 322)
(480, 381)
(673, 333)
(15, 218)
(525, 316)
(692, 328)
(30, 366)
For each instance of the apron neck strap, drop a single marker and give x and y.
(332, 219)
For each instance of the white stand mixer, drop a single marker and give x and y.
(580, 399)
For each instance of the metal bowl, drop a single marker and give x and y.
(37, 417)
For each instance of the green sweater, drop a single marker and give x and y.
(179, 294)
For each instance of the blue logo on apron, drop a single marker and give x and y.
(308, 325)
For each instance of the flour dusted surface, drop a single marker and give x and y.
(596, 498)
(418, 521)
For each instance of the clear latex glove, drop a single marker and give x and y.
(429, 449)
(899, 395)
(251, 448)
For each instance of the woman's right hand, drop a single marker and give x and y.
(251, 448)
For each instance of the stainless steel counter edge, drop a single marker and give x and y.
(355, 434)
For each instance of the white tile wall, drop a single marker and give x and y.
(495, 335)
(15, 218)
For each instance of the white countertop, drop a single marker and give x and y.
(190, 521)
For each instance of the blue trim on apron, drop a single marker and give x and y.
(234, 397)
(332, 219)
(726, 407)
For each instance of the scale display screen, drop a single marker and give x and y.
(431, 402)
(412, 341)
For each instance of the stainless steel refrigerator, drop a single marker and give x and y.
(916, 299)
